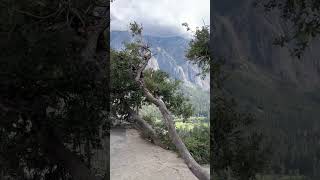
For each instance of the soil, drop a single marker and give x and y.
(133, 158)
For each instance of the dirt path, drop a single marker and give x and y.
(133, 158)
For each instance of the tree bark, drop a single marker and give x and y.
(146, 128)
(195, 168)
(61, 154)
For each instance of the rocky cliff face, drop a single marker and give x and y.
(169, 56)
(245, 34)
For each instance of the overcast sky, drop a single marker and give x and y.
(160, 17)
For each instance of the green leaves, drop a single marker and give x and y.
(136, 29)
(125, 93)
(303, 19)
(45, 82)
(159, 83)
(235, 147)
(197, 141)
(199, 50)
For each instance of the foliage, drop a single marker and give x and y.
(236, 151)
(152, 111)
(279, 177)
(199, 99)
(201, 54)
(303, 19)
(159, 83)
(199, 48)
(196, 139)
(234, 145)
(288, 116)
(47, 86)
(125, 93)
(135, 28)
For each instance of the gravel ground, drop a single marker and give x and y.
(133, 158)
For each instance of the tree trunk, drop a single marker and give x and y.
(195, 168)
(88, 153)
(147, 129)
(59, 153)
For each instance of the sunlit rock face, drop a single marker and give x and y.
(153, 64)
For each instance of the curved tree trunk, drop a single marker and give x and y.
(147, 129)
(195, 168)
(60, 154)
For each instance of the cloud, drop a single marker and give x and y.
(160, 17)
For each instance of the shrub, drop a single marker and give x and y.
(197, 139)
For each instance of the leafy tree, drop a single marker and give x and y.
(159, 83)
(53, 89)
(160, 90)
(126, 94)
(236, 151)
(199, 48)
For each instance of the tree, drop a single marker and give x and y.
(159, 90)
(199, 48)
(54, 87)
(302, 18)
(236, 150)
